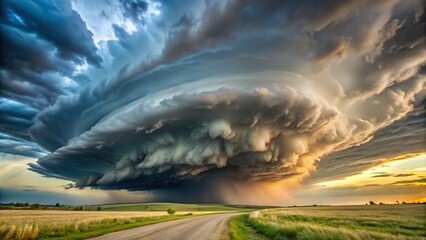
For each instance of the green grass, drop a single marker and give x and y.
(240, 230)
(393, 226)
(103, 227)
(341, 222)
(177, 206)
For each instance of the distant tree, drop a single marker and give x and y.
(381, 203)
(26, 204)
(397, 202)
(57, 205)
(35, 206)
(372, 203)
(171, 211)
(80, 208)
(98, 209)
(404, 202)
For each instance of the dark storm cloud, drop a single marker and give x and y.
(194, 132)
(235, 90)
(28, 64)
(16, 118)
(42, 43)
(153, 140)
(217, 23)
(17, 146)
(134, 9)
(57, 23)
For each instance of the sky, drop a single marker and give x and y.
(246, 102)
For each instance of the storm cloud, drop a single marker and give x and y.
(176, 96)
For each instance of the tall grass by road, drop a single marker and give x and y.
(239, 229)
(384, 222)
(52, 224)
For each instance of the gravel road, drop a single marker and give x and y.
(210, 227)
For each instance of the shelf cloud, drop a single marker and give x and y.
(210, 93)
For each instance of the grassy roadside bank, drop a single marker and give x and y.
(104, 227)
(391, 222)
(48, 224)
(239, 229)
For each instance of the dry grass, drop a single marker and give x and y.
(371, 211)
(31, 224)
(394, 222)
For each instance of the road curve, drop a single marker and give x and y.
(210, 227)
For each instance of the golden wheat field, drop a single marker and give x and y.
(30, 224)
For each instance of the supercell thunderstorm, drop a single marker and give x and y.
(237, 90)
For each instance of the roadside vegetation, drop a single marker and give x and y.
(36, 221)
(49, 224)
(171, 211)
(385, 222)
(239, 229)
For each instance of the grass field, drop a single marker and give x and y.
(177, 206)
(339, 222)
(240, 229)
(51, 224)
(67, 224)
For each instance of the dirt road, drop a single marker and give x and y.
(209, 227)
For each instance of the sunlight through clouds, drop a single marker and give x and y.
(402, 170)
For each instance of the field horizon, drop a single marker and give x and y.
(94, 220)
(216, 203)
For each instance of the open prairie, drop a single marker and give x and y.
(63, 222)
(179, 207)
(32, 224)
(337, 222)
